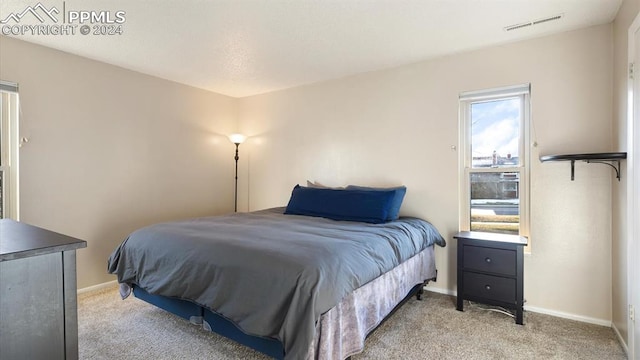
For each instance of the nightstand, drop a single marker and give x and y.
(490, 270)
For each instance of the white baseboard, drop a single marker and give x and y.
(539, 310)
(622, 341)
(441, 290)
(569, 316)
(98, 287)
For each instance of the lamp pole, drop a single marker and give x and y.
(237, 139)
(235, 205)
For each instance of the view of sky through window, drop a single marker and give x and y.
(495, 132)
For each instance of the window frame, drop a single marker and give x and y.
(9, 153)
(466, 99)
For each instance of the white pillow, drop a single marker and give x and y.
(317, 185)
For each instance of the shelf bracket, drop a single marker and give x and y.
(599, 158)
(616, 168)
(573, 170)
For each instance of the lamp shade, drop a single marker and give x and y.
(237, 138)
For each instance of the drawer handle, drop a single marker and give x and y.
(487, 260)
(487, 287)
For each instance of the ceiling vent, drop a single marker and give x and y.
(532, 23)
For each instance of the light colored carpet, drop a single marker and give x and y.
(110, 328)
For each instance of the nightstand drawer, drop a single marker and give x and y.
(490, 287)
(496, 261)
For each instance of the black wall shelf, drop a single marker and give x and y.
(599, 158)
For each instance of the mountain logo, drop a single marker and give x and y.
(35, 11)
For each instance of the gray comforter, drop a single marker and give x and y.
(272, 274)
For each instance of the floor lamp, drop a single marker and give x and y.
(237, 139)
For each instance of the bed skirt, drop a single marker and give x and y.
(342, 330)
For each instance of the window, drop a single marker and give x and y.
(494, 160)
(8, 150)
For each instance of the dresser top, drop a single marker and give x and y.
(19, 240)
(477, 235)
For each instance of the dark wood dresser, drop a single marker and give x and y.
(38, 295)
(490, 270)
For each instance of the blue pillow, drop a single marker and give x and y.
(399, 192)
(349, 205)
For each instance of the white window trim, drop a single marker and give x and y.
(9, 110)
(464, 158)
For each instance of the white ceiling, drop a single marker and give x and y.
(246, 47)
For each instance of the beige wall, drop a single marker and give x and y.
(398, 126)
(111, 150)
(627, 13)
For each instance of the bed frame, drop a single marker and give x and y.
(199, 315)
(211, 321)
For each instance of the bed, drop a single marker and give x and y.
(289, 286)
